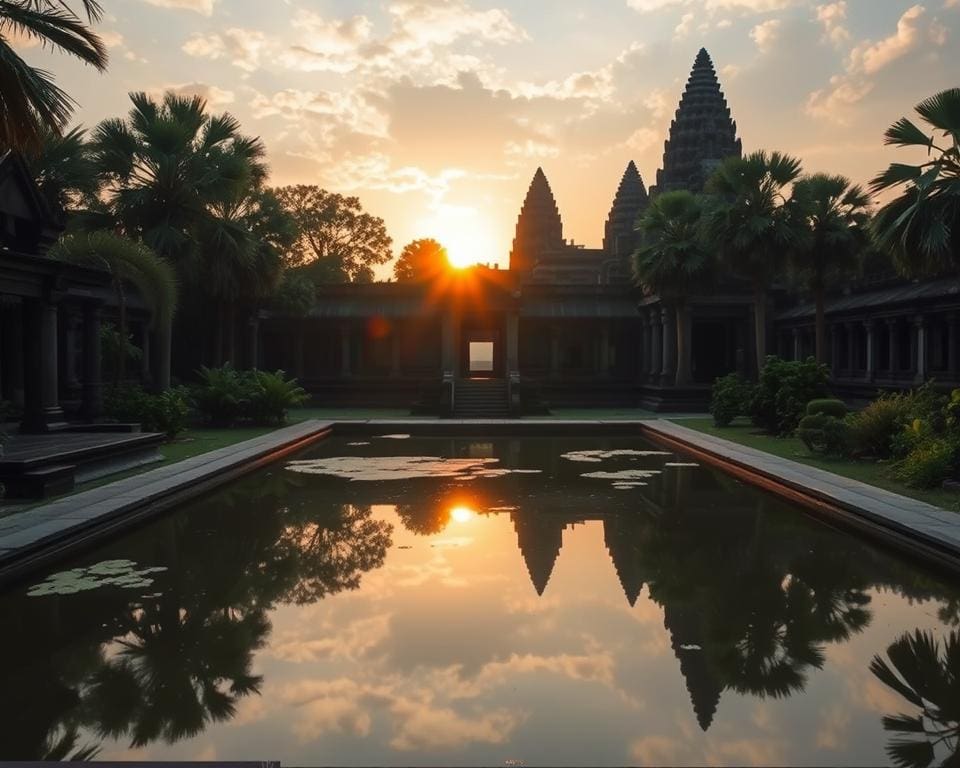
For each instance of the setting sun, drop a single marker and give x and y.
(465, 232)
(462, 514)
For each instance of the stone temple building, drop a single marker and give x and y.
(565, 325)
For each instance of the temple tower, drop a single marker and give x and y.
(539, 228)
(619, 236)
(539, 538)
(702, 134)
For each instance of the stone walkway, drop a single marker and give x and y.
(906, 521)
(43, 531)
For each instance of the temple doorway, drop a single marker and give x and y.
(480, 358)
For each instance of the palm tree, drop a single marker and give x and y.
(30, 102)
(832, 215)
(672, 259)
(746, 222)
(65, 172)
(130, 262)
(931, 683)
(921, 226)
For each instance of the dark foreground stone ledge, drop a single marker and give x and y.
(40, 535)
(912, 526)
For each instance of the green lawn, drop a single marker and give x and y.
(870, 472)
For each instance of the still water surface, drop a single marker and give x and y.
(462, 602)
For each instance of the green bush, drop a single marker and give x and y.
(166, 412)
(827, 407)
(874, 429)
(825, 434)
(223, 395)
(928, 464)
(272, 395)
(952, 411)
(781, 396)
(731, 398)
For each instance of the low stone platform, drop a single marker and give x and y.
(38, 466)
(31, 538)
(911, 525)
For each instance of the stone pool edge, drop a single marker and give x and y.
(39, 536)
(911, 526)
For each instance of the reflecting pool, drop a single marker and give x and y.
(396, 600)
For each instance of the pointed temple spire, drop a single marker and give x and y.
(539, 228)
(621, 542)
(702, 134)
(686, 640)
(539, 539)
(619, 237)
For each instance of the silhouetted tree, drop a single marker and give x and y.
(421, 260)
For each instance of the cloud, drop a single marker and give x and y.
(766, 34)
(244, 47)
(203, 7)
(214, 96)
(741, 6)
(833, 17)
(870, 58)
(683, 29)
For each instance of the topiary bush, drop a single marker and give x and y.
(929, 463)
(731, 398)
(827, 407)
(780, 398)
(272, 395)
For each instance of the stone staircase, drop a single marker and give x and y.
(481, 399)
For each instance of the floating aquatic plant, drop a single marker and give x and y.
(595, 457)
(376, 468)
(118, 573)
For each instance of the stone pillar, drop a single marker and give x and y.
(92, 364)
(668, 374)
(513, 341)
(146, 369)
(871, 373)
(920, 348)
(893, 348)
(656, 348)
(345, 367)
(835, 351)
(953, 352)
(253, 341)
(851, 334)
(604, 357)
(797, 344)
(42, 406)
(554, 352)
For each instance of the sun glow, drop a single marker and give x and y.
(462, 514)
(466, 233)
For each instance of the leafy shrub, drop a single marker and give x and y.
(874, 429)
(223, 395)
(928, 464)
(827, 407)
(929, 405)
(824, 434)
(271, 395)
(731, 398)
(952, 411)
(166, 412)
(781, 396)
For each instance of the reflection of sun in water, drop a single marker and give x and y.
(462, 514)
(465, 232)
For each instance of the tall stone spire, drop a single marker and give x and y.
(539, 538)
(702, 134)
(686, 639)
(539, 227)
(619, 237)
(621, 536)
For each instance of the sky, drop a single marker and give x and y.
(437, 113)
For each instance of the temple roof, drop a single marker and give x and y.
(539, 538)
(702, 133)
(927, 291)
(686, 639)
(539, 227)
(619, 237)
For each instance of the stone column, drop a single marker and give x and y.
(920, 342)
(554, 352)
(871, 373)
(146, 369)
(894, 348)
(345, 367)
(253, 341)
(835, 351)
(604, 358)
(656, 348)
(513, 341)
(953, 340)
(668, 375)
(92, 364)
(797, 344)
(851, 334)
(42, 406)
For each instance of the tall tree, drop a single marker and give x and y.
(748, 224)
(338, 241)
(421, 260)
(921, 226)
(30, 102)
(671, 258)
(65, 171)
(833, 217)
